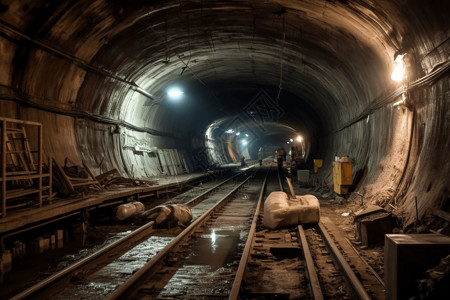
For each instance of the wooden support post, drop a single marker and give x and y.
(50, 179)
(39, 163)
(3, 125)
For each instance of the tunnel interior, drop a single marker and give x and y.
(96, 74)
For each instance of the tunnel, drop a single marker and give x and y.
(99, 76)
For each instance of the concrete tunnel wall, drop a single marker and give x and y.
(80, 68)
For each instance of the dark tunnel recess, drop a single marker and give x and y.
(96, 75)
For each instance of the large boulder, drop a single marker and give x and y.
(280, 210)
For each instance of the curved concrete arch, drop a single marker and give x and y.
(95, 72)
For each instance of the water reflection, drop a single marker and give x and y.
(216, 249)
(213, 241)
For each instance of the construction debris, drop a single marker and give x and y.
(372, 224)
(70, 177)
(113, 177)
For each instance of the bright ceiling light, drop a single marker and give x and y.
(299, 139)
(244, 142)
(175, 93)
(291, 140)
(238, 133)
(399, 69)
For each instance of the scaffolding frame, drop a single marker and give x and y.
(23, 168)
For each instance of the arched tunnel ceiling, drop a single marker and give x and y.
(323, 61)
(311, 51)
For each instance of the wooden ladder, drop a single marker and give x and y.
(18, 150)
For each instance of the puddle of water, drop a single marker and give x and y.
(216, 249)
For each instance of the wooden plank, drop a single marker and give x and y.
(25, 176)
(19, 121)
(96, 183)
(10, 149)
(14, 194)
(39, 163)
(3, 167)
(442, 214)
(26, 145)
(65, 177)
(50, 178)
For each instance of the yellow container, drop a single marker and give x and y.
(342, 173)
(340, 189)
(317, 164)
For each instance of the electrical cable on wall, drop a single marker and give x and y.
(280, 85)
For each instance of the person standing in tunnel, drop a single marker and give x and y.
(280, 156)
(243, 164)
(260, 157)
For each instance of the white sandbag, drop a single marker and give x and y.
(124, 211)
(281, 211)
(170, 215)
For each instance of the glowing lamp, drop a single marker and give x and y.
(399, 69)
(175, 93)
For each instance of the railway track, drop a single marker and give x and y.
(225, 253)
(301, 262)
(100, 273)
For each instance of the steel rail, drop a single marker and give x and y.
(310, 269)
(234, 294)
(57, 277)
(128, 287)
(346, 269)
(381, 281)
(198, 198)
(280, 182)
(61, 275)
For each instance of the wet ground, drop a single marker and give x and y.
(215, 242)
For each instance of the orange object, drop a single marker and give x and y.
(342, 176)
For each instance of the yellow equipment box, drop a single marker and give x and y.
(317, 164)
(342, 176)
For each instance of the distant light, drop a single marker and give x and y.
(288, 142)
(246, 135)
(299, 139)
(399, 69)
(238, 133)
(291, 140)
(244, 142)
(175, 93)
(229, 131)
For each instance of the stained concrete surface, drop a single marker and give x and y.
(95, 74)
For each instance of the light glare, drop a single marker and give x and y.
(399, 69)
(299, 139)
(175, 93)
